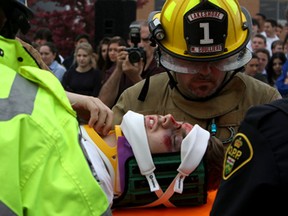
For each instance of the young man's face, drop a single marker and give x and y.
(257, 43)
(269, 29)
(263, 60)
(164, 134)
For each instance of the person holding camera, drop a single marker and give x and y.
(133, 64)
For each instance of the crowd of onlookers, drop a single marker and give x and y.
(88, 70)
(269, 46)
(105, 71)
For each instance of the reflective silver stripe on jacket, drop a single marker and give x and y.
(21, 99)
(5, 210)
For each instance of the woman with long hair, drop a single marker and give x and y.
(85, 78)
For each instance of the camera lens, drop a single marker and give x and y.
(134, 56)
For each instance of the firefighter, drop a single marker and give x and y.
(202, 45)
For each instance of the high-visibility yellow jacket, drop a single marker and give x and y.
(43, 169)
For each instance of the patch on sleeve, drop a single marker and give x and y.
(239, 153)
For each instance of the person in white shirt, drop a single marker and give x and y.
(258, 41)
(270, 30)
(261, 20)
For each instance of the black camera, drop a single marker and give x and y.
(135, 52)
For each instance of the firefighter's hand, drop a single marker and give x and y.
(93, 110)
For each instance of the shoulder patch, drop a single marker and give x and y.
(239, 153)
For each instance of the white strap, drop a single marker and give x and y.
(193, 148)
(134, 131)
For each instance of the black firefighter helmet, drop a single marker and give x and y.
(17, 14)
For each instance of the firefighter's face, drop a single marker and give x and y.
(202, 84)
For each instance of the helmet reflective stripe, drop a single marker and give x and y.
(169, 11)
(18, 102)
